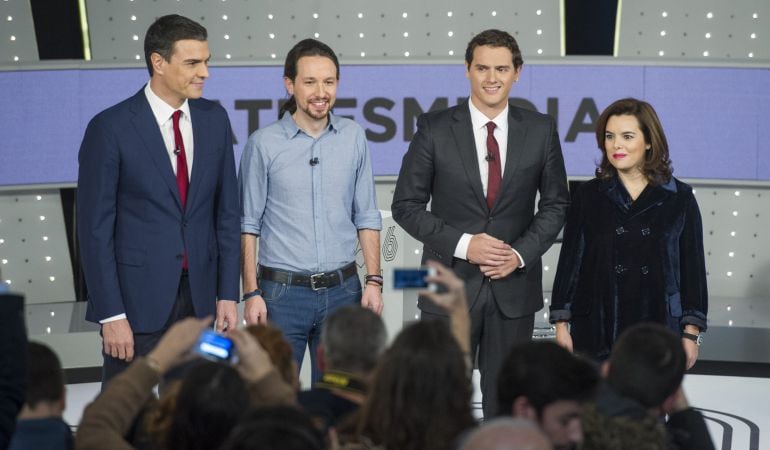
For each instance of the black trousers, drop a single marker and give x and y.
(492, 336)
(145, 342)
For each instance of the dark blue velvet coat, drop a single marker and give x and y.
(623, 262)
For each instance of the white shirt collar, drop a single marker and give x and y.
(162, 110)
(479, 120)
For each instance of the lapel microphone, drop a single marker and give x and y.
(177, 151)
(314, 161)
(489, 158)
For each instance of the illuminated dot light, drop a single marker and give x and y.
(494, 13)
(735, 213)
(753, 35)
(664, 14)
(662, 32)
(731, 254)
(546, 268)
(751, 54)
(706, 53)
(732, 233)
(540, 51)
(9, 18)
(729, 308)
(545, 315)
(545, 300)
(133, 18)
(271, 35)
(13, 38)
(8, 282)
(539, 12)
(42, 218)
(15, 58)
(450, 33)
(317, 35)
(406, 54)
(5, 261)
(451, 52)
(53, 314)
(228, 56)
(449, 13)
(135, 37)
(709, 15)
(272, 55)
(48, 330)
(39, 197)
(52, 278)
(48, 258)
(416, 317)
(360, 15)
(729, 274)
(315, 15)
(227, 36)
(406, 34)
(270, 17)
(363, 54)
(737, 193)
(361, 35)
(137, 57)
(417, 251)
(2, 241)
(730, 323)
(708, 35)
(404, 15)
(539, 32)
(45, 238)
(224, 16)
(661, 53)
(754, 16)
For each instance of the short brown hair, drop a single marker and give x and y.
(494, 38)
(279, 350)
(657, 165)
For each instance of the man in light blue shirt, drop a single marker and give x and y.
(307, 191)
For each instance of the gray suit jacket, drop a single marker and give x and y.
(441, 165)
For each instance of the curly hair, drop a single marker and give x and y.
(657, 165)
(279, 350)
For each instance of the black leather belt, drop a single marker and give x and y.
(314, 281)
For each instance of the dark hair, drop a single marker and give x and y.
(544, 373)
(353, 338)
(274, 428)
(647, 364)
(305, 47)
(203, 410)
(279, 350)
(45, 377)
(165, 32)
(421, 393)
(494, 38)
(657, 165)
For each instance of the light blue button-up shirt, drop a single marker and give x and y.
(307, 216)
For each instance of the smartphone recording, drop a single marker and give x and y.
(215, 347)
(413, 278)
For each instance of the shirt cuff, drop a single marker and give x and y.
(521, 260)
(461, 250)
(113, 318)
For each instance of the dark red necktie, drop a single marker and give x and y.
(493, 164)
(182, 179)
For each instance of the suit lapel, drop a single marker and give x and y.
(147, 129)
(466, 147)
(517, 132)
(202, 145)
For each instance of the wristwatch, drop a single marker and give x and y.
(251, 294)
(697, 338)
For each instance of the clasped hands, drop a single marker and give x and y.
(495, 258)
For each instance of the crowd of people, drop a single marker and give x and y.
(166, 230)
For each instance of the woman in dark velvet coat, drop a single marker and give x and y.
(633, 242)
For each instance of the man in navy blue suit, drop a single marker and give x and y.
(158, 214)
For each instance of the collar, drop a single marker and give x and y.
(162, 110)
(479, 120)
(346, 381)
(290, 126)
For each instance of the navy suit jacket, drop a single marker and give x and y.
(441, 167)
(132, 230)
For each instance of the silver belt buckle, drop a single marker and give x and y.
(313, 278)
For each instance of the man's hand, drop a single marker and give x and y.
(486, 250)
(691, 351)
(563, 337)
(372, 298)
(253, 361)
(118, 339)
(174, 347)
(255, 311)
(502, 270)
(227, 315)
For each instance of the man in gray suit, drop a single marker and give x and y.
(482, 164)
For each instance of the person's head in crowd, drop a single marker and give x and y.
(352, 340)
(202, 409)
(279, 350)
(647, 364)
(631, 139)
(505, 433)
(176, 52)
(45, 384)
(543, 382)
(310, 59)
(274, 428)
(421, 392)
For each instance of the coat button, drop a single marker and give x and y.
(645, 231)
(645, 270)
(620, 268)
(620, 230)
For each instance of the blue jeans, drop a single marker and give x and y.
(300, 313)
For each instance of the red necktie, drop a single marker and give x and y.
(182, 180)
(493, 164)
